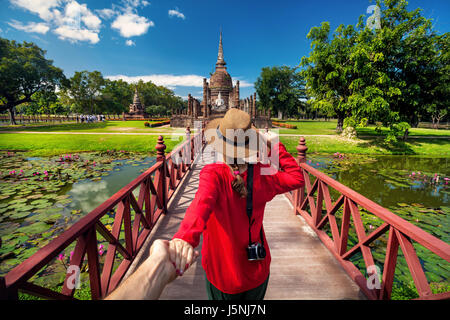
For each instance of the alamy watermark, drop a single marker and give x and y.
(236, 142)
(374, 21)
(73, 279)
(374, 279)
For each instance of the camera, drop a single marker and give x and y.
(256, 251)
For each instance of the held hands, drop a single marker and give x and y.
(182, 255)
(177, 256)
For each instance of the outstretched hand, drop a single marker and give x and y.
(182, 255)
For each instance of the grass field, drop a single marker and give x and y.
(309, 127)
(375, 145)
(108, 126)
(49, 144)
(55, 144)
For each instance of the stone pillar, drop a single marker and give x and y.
(205, 98)
(189, 105)
(252, 111)
(254, 105)
(236, 95)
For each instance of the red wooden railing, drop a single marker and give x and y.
(156, 186)
(401, 232)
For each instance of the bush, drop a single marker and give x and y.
(284, 125)
(146, 124)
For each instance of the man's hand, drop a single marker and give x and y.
(160, 251)
(182, 255)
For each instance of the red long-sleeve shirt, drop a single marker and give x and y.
(220, 214)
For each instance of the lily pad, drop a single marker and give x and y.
(35, 228)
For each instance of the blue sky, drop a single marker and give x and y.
(175, 42)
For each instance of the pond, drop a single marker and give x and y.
(42, 197)
(414, 188)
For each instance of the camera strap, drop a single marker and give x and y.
(250, 204)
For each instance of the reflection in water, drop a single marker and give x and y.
(89, 194)
(386, 180)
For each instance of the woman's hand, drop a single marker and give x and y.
(182, 255)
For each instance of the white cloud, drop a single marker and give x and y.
(130, 43)
(34, 27)
(136, 3)
(40, 7)
(75, 35)
(106, 13)
(130, 24)
(172, 81)
(166, 80)
(242, 83)
(80, 12)
(176, 13)
(69, 20)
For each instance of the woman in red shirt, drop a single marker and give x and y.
(219, 211)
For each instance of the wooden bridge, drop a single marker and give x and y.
(308, 260)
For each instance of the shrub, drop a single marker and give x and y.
(284, 125)
(146, 124)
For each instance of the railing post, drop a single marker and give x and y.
(160, 156)
(299, 195)
(301, 150)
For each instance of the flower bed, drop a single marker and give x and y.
(159, 124)
(284, 125)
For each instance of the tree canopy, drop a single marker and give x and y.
(394, 74)
(281, 90)
(31, 84)
(24, 71)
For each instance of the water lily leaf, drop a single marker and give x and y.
(417, 205)
(35, 228)
(18, 215)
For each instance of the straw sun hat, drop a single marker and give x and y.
(234, 136)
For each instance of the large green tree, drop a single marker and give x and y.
(385, 74)
(24, 71)
(85, 89)
(281, 90)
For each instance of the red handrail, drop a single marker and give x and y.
(401, 232)
(154, 194)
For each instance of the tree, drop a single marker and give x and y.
(85, 88)
(438, 85)
(328, 70)
(384, 74)
(280, 89)
(24, 71)
(116, 95)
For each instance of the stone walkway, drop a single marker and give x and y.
(301, 268)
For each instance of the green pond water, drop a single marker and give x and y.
(35, 208)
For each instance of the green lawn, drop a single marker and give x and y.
(54, 144)
(49, 144)
(370, 131)
(311, 127)
(108, 126)
(372, 145)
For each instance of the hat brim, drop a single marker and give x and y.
(246, 152)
